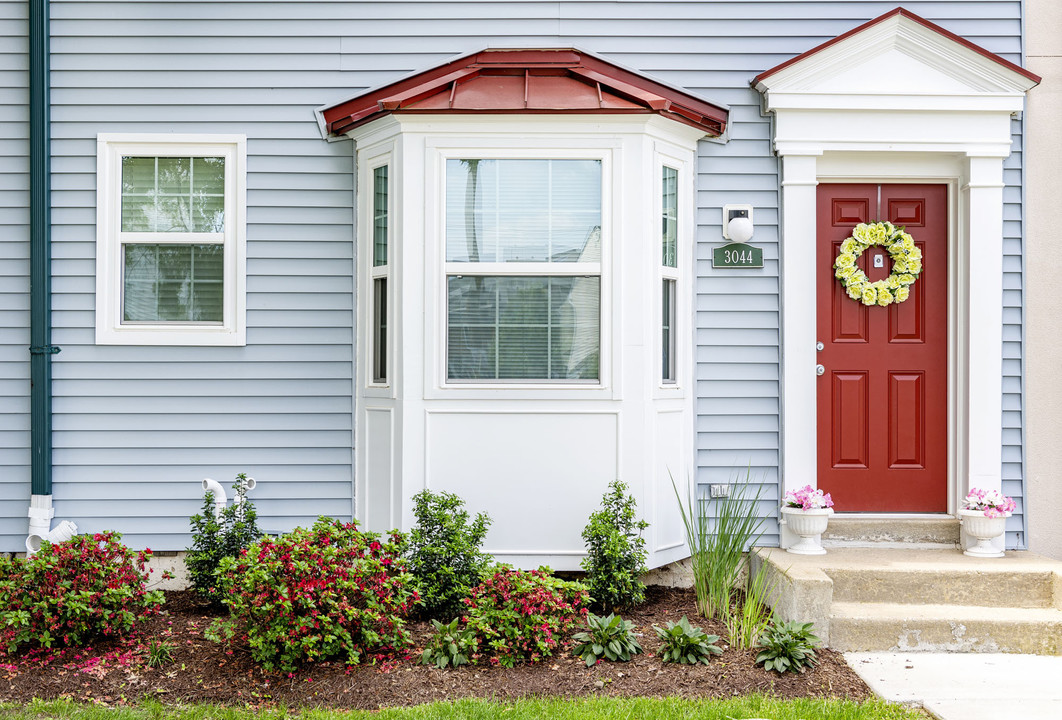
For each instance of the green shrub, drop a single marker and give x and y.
(788, 646)
(450, 645)
(444, 552)
(610, 637)
(74, 592)
(328, 592)
(214, 538)
(517, 615)
(615, 551)
(685, 644)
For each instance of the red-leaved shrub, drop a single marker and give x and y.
(72, 592)
(523, 615)
(329, 592)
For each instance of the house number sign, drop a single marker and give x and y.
(737, 255)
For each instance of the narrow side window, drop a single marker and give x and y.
(668, 271)
(380, 273)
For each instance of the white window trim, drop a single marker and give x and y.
(514, 149)
(110, 148)
(380, 272)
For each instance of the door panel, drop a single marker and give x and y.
(882, 402)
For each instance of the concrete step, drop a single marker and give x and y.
(866, 627)
(1001, 586)
(898, 532)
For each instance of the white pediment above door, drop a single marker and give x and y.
(900, 61)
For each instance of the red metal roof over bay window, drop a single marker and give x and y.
(527, 81)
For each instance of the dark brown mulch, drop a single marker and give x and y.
(201, 671)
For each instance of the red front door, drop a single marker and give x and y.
(882, 401)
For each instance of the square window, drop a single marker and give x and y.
(170, 262)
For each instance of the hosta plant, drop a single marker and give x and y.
(685, 644)
(521, 615)
(444, 552)
(615, 551)
(74, 592)
(450, 645)
(609, 638)
(329, 592)
(788, 647)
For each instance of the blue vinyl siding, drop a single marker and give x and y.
(136, 428)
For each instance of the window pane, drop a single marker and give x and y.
(173, 283)
(173, 194)
(667, 343)
(523, 328)
(670, 217)
(523, 210)
(379, 330)
(379, 214)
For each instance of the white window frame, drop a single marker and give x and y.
(110, 149)
(515, 150)
(380, 272)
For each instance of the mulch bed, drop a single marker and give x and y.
(200, 671)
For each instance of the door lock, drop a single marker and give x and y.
(820, 370)
(819, 346)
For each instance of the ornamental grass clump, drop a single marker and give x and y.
(615, 552)
(329, 592)
(521, 615)
(74, 592)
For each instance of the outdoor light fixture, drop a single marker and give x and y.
(737, 223)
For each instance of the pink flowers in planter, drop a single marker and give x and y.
(807, 498)
(992, 503)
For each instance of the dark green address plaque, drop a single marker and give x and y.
(737, 255)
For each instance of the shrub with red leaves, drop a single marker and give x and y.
(72, 592)
(523, 615)
(329, 592)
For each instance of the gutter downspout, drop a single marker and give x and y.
(41, 348)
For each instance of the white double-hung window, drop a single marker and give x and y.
(170, 262)
(523, 259)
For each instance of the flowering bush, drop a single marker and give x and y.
(518, 615)
(72, 592)
(992, 502)
(331, 591)
(808, 498)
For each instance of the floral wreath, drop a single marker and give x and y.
(906, 264)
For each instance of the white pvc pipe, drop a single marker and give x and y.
(61, 533)
(219, 495)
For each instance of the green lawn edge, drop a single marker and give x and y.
(748, 707)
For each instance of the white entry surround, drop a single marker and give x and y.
(536, 455)
(900, 100)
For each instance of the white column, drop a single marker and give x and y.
(799, 436)
(983, 390)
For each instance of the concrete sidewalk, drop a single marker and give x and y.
(966, 686)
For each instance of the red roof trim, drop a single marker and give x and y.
(508, 81)
(921, 21)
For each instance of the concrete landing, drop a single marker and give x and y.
(966, 687)
(880, 599)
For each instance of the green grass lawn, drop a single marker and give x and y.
(547, 709)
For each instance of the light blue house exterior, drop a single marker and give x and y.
(136, 425)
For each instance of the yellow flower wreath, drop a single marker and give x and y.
(906, 264)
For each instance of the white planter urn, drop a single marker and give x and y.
(984, 529)
(807, 524)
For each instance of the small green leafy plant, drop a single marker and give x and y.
(788, 647)
(444, 552)
(685, 644)
(159, 653)
(74, 592)
(615, 551)
(215, 538)
(609, 637)
(450, 645)
(519, 615)
(329, 592)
